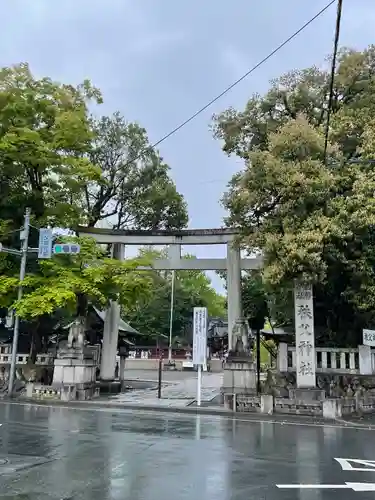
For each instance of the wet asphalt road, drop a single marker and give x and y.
(62, 453)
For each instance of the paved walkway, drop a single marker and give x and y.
(177, 393)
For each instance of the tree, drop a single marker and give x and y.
(307, 216)
(72, 169)
(311, 220)
(135, 187)
(306, 92)
(71, 282)
(44, 134)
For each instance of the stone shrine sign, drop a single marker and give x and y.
(305, 338)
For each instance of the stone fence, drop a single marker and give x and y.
(360, 361)
(22, 359)
(44, 359)
(330, 409)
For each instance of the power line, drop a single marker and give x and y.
(332, 78)
(234, 84)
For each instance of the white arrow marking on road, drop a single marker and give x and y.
(346, 486)
(367, 465)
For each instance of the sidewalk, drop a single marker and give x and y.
(180, 393)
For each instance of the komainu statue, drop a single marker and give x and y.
(76, 337)
(240, 338)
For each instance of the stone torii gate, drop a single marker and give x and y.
(173, 239)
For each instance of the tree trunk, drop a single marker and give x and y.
(35, 347)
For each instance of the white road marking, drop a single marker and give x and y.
(312, 486)
(346, 486)
(368, 465)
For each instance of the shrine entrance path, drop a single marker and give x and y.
(52, 453)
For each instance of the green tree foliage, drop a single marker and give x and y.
(192, 289)
(72, 282)
(135, 187)
(73, 169)
(310, 218)
(254, 300)
(44, 133)
(306, 92)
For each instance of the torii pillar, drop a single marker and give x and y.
(233, 288)
(110, 329)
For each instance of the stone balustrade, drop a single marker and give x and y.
(330, 409)
(359, 361)
(41, 359)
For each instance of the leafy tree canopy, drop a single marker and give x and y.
(136, 187)
(310, 218)
(73, 169)
(71, 282)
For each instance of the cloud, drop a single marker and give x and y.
(89, 26)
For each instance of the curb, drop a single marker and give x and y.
(194, 411)
(354, 424)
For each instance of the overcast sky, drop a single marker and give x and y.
(158, 61)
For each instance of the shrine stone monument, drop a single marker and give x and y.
(305, 345)
(239, 369)
(75, 367)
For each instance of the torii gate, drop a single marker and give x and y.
(173, 239)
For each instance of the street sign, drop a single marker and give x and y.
(45, 243)
(66, 248)
(200, 336)
(369, 337)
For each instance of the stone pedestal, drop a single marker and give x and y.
(75, 374)
(239, 375)
(307, 394)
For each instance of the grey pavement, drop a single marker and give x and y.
(167, 376)
(51, 453)
(180, 391)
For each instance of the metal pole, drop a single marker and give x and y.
(258, 360)
(199, 385)
(160, 376)
(171, 320)
(25, 243)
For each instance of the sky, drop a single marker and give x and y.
(159, 61)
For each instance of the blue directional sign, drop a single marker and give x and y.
(66, 248)
(45, 243)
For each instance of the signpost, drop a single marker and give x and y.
(45, 243)
(200, 345)
(369, 337)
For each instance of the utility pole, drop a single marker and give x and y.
(24, 236)
(171, 319)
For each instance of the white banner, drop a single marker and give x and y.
(200, 336)
(305, 338)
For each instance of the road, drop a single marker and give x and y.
(82, 454)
